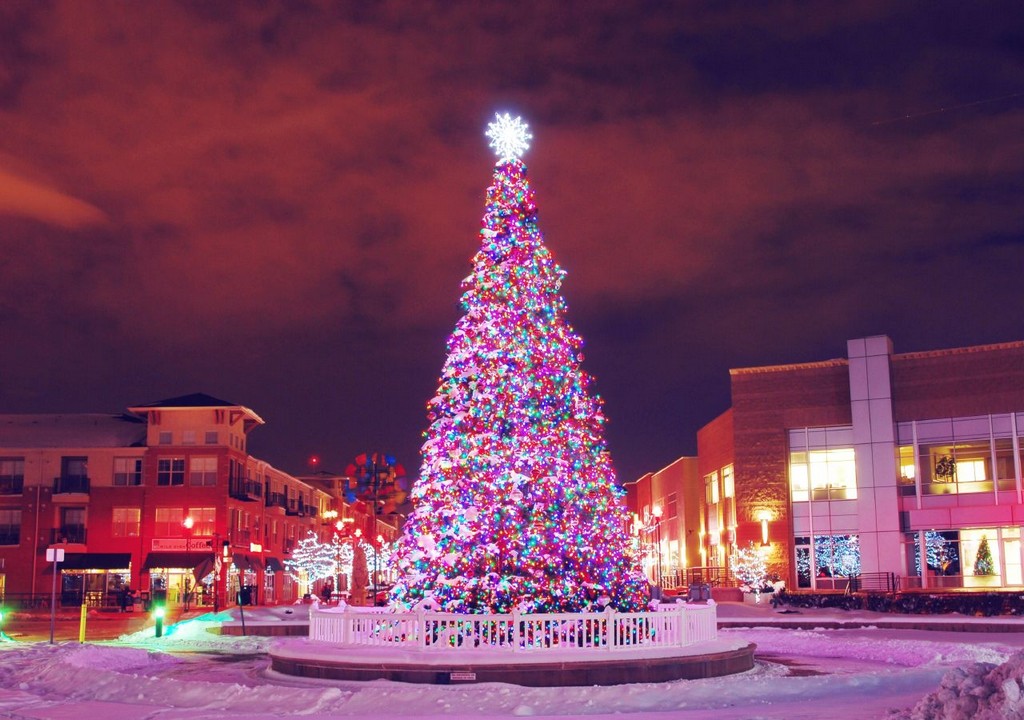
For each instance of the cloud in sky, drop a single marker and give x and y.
(20, 196)
(275, 203)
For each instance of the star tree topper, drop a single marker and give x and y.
(509, 138)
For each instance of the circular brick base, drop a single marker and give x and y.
(611, 671)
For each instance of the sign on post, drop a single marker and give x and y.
(56, 556)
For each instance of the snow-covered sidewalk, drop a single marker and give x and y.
(860, 673)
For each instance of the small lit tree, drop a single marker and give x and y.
(311, 560)
(749, 567)
(983, 564)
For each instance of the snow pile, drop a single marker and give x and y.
(980, 691)
(114, 659)
(869, 645)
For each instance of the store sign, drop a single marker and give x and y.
(182, 544)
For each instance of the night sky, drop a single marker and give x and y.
(274, 203)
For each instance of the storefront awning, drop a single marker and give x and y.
(176, 560)
(241, 561)
(95, 561)
(274, 565)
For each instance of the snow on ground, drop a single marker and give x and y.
(818, 673)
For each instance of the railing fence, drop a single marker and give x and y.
(669, 626)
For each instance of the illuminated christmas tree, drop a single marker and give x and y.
(983, 564)
(516, 505)
(749, 567)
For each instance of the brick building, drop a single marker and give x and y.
(879, 464)
(164, 498)
(665, 524)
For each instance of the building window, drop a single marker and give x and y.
(188, 437)
(10, 527)
(202, 470)
(127, 471)
(834, 556)
(165, 437)
(74, 468)
(170, 471)
(126, 522)
(951, 469)
(711, 488)
(728, 482)
(204, 521)
(72, 525)
(168, 522)
(212, 437)
(12, 475)
(671, 509)
(823, 475)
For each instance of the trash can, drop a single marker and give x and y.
(698, 592)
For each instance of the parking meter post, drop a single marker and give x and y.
(241, 605)
(158, 615)
(81, 623)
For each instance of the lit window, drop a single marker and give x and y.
(970, 471)
(126, 522)
(831, 474)
(711, 488)
(798, 476)
(728, 482)
(168, 522)
(188, 437)
(203, 521)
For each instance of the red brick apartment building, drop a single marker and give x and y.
(665, 525)
(164, 498)
(879, 464)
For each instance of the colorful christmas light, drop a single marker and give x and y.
(516, 505)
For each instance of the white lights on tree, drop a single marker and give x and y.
(749, 568)
(509, 138)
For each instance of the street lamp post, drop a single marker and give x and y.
(217, 565)
(376, 566)
(656, 512)
(187, 523)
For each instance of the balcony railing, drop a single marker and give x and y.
(11, 485)
(244, 489)
(70, 484)
(301, 509)
(276, 500)
(68, 534)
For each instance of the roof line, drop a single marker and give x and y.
(1014, 345)
(838, 362)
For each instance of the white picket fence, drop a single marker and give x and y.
(670, 626)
